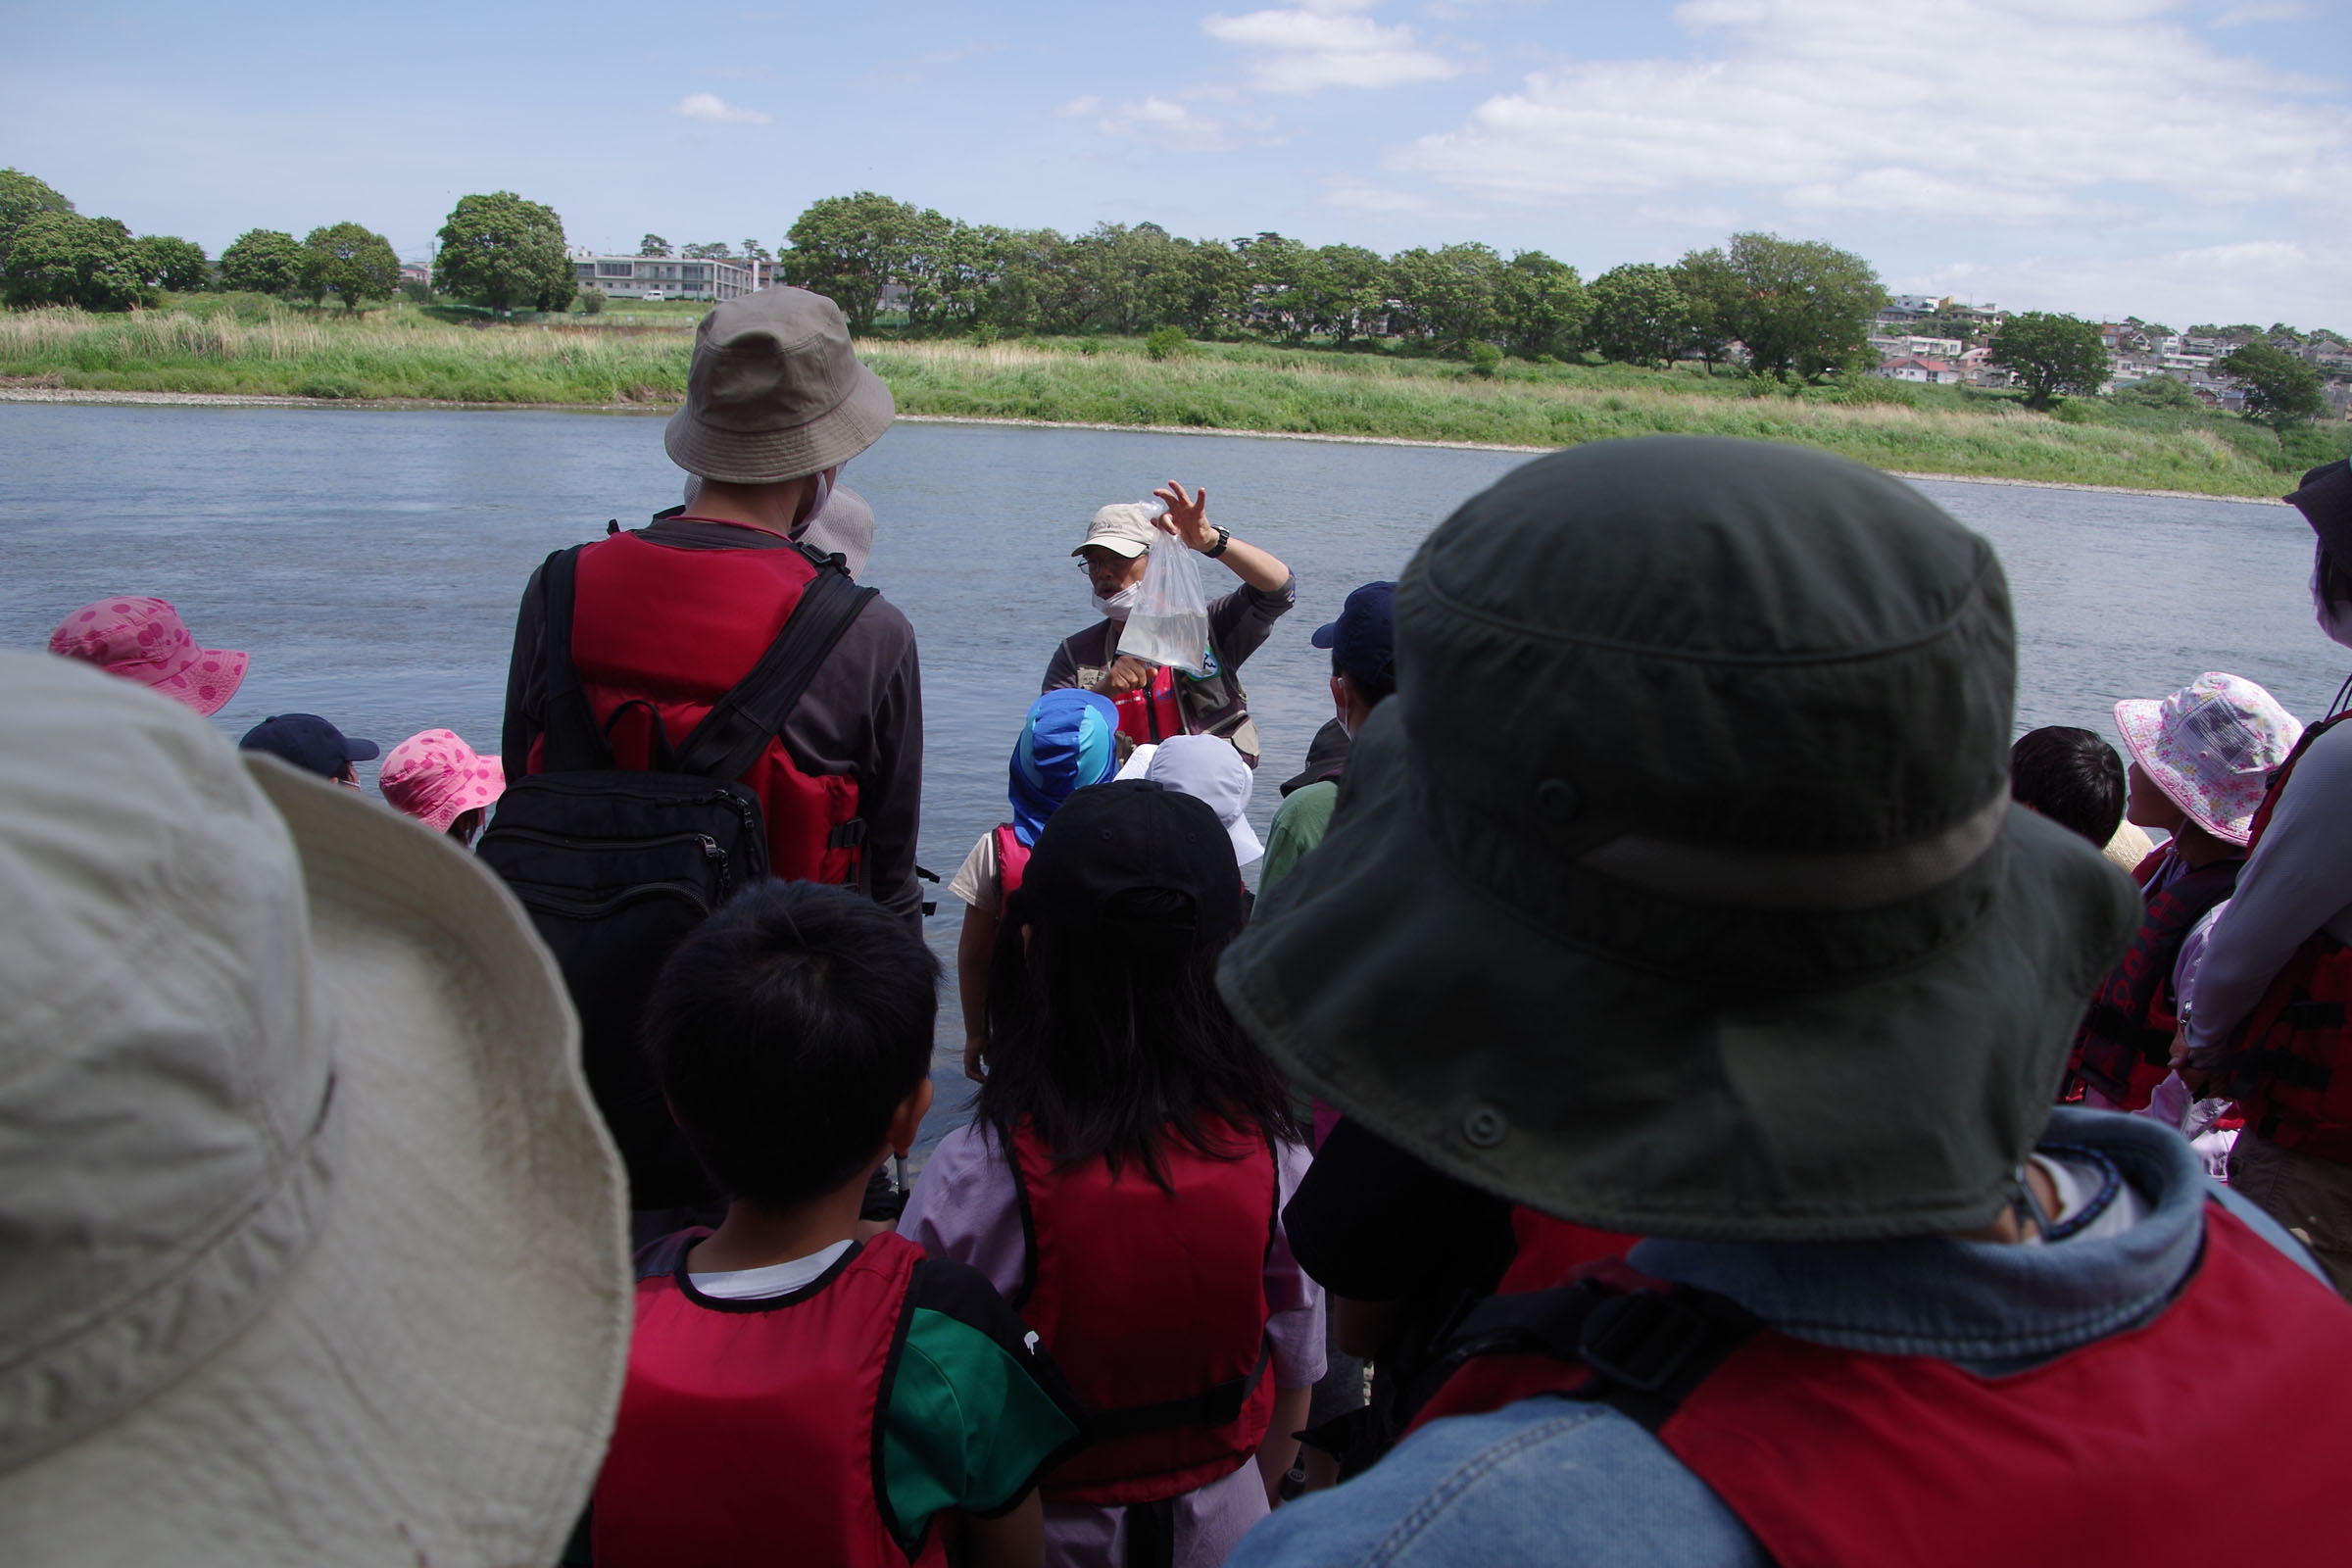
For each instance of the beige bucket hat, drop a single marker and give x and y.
(776, 392)
(315, 1244)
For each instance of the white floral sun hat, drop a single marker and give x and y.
(2211, 746)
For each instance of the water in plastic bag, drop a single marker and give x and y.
(1169, 624)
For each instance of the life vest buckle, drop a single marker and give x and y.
(1642, 1339)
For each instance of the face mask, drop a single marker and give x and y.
(820, 491)
(2334, 616)
(1119, 604)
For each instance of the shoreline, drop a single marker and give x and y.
(239, 400)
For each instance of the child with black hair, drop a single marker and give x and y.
(1123, 1179)
(794, 1394)
(2072, 777)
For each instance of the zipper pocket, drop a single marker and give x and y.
(710, 846)
(551, 901)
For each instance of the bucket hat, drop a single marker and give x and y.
(309, 742)
(1678, 890)
(776, 392)
(1067, 742)
(435, 777)
(1208, 769)
(144, 640)
(2210, 746)
(1124, 528)
(316, 1244)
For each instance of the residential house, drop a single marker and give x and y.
(1911, 368)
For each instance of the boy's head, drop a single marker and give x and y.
(2072, 776)
(1363, 652)
(792, 1033)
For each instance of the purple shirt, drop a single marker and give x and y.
(964, 1207)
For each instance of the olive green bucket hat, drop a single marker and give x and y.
(1678, 891)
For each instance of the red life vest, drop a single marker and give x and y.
(1012, 863)
(660, 630)
(1151, 714)
(2290, 1062)
(1154, 1303)
(748, 1431)
(2124, 1046)
(1551, 1248)
(1836, 1459)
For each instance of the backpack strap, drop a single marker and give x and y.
(572, 741)
(733, 734)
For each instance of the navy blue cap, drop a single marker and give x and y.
(1363, 640)
(308, 742)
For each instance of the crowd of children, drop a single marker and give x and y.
(1707, 1106)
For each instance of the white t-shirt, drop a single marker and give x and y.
(775, 1279)
(976, 882)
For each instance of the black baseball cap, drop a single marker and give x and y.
(308, 742)
(1134, 853)
(1363, 640)
(2325, 498)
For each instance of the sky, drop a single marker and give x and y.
(2183, 161)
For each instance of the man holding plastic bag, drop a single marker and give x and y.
(1164, 654)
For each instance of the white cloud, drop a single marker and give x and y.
(1321, 43)
(1080, 106)
(712, 110)
(1162, 120)
(2262, 11)
(1363, 196)
(2260, 280)
(2028, 111)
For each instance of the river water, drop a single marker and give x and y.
(371, 561)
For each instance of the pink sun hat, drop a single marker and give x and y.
(145, 640)
(435, 777)
(2211, 746)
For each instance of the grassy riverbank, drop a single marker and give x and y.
(233, 345)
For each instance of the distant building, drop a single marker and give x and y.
(415, 273)
(1896, 345)
(1911, 368)
(633, 278)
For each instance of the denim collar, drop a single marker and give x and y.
(1981, 1303)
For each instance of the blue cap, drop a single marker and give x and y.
(308, 742)
(1067, 742)
(1363, 640)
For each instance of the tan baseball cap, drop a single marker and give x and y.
(776, 392)
(1123, 526)
(316, 1244)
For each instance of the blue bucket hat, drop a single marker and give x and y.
(1067, 742)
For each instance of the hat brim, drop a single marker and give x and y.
(2140, 723)
(1325, 636)
(1117, 547)
(1245, 845)
(437, 1378)
(359, 751)
(773, 457)
(206, 684)
(1673, 1103)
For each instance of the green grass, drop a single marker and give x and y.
(246, 344)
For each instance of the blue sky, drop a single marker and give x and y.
(2185, 161)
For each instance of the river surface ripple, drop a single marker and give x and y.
(371, 561)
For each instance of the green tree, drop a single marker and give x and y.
(353, 262)
(2280, 389)
(592, 301)
(177, 265)
(1210, 292)
(1281, 287)
(22, 199)
(1541, 305)
(502, 251)
(1639, 315)
(712, 251)
(266, 260)
(1346, 288)
(2051, 354)
(1450, 293)
(1799, 306)
(653, 245)
(847, 246)
(66, 259)
(754, 251)
(1711, 294)
(2161, 392)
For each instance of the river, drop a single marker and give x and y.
(370, 562)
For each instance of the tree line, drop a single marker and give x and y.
(1798, 308)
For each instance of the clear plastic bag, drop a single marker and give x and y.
(1169, 624)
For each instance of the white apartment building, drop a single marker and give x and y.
(633, 278)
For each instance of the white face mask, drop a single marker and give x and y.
(1119, 604)
(2334, 616)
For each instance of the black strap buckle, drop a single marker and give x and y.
(1642, 1339)
(849, 836)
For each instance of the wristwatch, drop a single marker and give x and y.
(1224, 538)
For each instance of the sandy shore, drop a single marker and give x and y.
(221, 400)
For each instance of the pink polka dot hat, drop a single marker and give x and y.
(145, 640)
(435, 777)
(2210, 746)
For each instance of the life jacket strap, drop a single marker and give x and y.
(1218, 1405)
